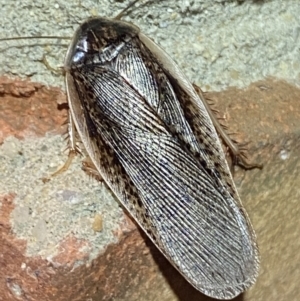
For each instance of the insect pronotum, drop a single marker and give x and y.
(153, 141)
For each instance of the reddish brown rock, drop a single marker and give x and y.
(28, 108)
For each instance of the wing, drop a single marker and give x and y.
(136, 131)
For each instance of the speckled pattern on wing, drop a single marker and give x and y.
(157, 152)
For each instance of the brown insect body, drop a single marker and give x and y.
(152, 140)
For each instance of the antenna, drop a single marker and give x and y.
(118, 17)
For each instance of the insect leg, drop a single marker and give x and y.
(236, 151)
(58, 70)
(89, 168)
(73, 150)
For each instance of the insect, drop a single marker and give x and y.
(152, 139)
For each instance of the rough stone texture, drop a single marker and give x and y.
(27, 108)
(217, 43)
(266, 115)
